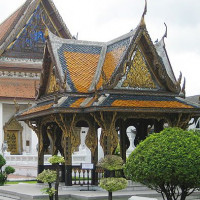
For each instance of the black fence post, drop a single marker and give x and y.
(68, 175)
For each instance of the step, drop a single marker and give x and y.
(8, 197)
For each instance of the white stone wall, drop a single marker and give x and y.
(1, 126)
(7, 110)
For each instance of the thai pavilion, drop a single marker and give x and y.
(128, 81)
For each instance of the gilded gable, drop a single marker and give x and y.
(137, 74)
(52, 85)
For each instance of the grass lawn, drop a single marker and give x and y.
(17, 182)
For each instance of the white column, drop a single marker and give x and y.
(100, 149)
(34, 143)
(1, 126)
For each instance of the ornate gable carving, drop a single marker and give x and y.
(137, 73)
(53, 85)
(32, 36)
(13, 135)
(149, 71)
(13, 124)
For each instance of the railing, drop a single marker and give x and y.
(86, 176)
(80, 176)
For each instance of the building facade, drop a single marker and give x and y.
(22, 44)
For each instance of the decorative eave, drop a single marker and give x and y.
(20, 65)
(154, 112)
(111, 103)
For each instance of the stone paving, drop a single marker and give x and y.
(25, 191)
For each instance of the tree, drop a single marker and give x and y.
(4, 173)
(48, 176)
(56, 160)
(168, 162)
(111, 184)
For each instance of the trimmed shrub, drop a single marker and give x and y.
(113, 184)
(168, 162)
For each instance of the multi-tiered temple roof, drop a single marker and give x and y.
(22, 44)
(128, 74)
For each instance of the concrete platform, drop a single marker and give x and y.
(25, 191)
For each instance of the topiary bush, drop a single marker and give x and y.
(2, 161)
(2, 179)
(111, 163)
(48, 176)
(4, 173)
(168, 162)
(9, 170)
(56, 160)
(111, 184)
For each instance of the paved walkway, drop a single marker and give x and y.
(33, 191)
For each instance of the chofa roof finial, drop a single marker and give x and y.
(183, 88)
(165, 35)
(142, 22)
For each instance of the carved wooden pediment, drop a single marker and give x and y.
(12, 124)
(52, 85)
(137, 73)
(13, 135)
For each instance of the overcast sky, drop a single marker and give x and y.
(104, 20)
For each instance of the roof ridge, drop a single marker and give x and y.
(56, 39)
(124, 36)
(161, 44)
(99, 68)
(60, 17)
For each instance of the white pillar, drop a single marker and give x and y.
(1, 126)
(100, 149)
(34, 143)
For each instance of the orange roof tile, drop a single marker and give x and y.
(111, 61)
(7, 23)
(82, 68)
(149, 104)
(17, 88)
(37, 109)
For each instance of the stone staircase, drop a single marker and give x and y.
(5, 196)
